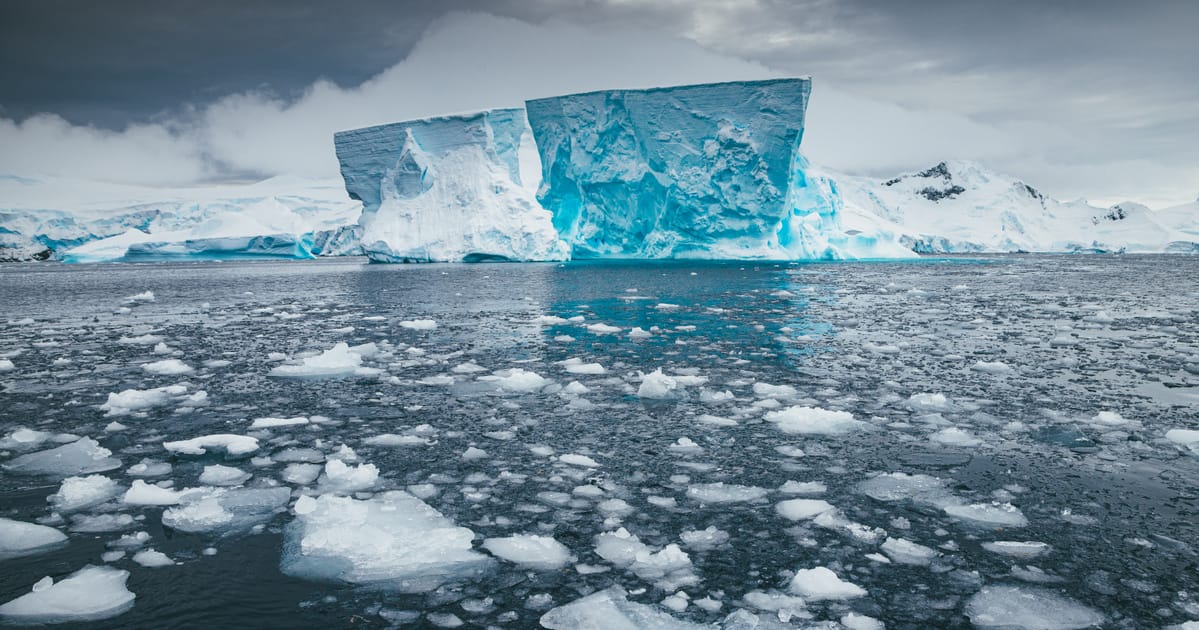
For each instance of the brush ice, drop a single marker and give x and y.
(393, 539)
(89, 594)
(540, 553)
(1028, 608)
(447, 189)
(803, 420)
(18, 538)
(821, 583)
(77, 493)
(84, 455)
(611, 610)
(698, 171)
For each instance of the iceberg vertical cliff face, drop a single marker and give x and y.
(447, 189)
(711, 171)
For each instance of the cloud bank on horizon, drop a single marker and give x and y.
(255, 134)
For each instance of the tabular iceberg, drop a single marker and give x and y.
(703, 171)
(447, 189)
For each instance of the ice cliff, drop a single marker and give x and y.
(447, 189)
(701, 171)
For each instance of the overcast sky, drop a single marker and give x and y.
(1096, 99)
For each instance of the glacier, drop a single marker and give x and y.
(447, 189)
(696, 171)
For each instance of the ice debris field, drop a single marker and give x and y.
(991, 443)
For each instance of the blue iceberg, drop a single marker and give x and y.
(447, 189)
(700, 171)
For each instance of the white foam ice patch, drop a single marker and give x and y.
(1028, 608)
(82, 456)
(393, 539)
(540, 553)
(77, 493)
(821, 584)
(1017, 549)
(803, 420)
(168, 367)
(151, 558)
(232, 445)
(274, 423)
(721, 492)
(610, 609)
(668, 568)
(339, 361)
(342, 477)
(133, 400)
(19, 539)
(990, 514)
(89, 594)
(904, 551)
(516, 380)
(226, 510)
(802, 509)
(418, 324)
(218, 475)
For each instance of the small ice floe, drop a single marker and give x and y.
(539, 553)
(602, 329)
(152, 558)
(467, 368)
(363, 542)
(23, 439)
(232, 445)
(611, 609)
(803, 420)
(716, 421)
(344, 478)
(1186, 438)
(802, 509)
(1110, 419)
(992, 367)
(133, 400)
(144, 297)
(548, 320)
(821, 584)
(994, 514)
(339, 361)
(1016, 549)
(1028, 608)
(301, 474)
(142, 493)
(904, 551)
(77, 493)
(685, 445)
(274, 423)
(855, 621)
(953, 436)
(720, 492)
(395, 439)
(149, 468)
(168, 367)
(516, 380)
(704, 539)
(419, 324)
(82, 456)
(575, 365)
(89, 594)
(18, 539)
(94, 523)
(669, 568)
(225, 511)
(658, 386)
(638, 332)
(803, 487)
(929, 402)
(575, 459)
(218, 475)
(141, 340)
(766, 390)
(6, 365)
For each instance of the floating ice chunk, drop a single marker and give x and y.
(168, 367)
(472, 453)
(928, 402)
(953, 436)
(585, 368)
(151, 558)
(540, 553)
(226, 511)
(89, 594)
(1186, 438)
(144, 340)
(904, 551)
(18, 539)
(994, 513)
(301, 474)
(467, 368)
(822, 584)
(803, 487)
(392, 539)
(218, 475)
(142, 493)
(575, 459)
(516, 380)
(549, 320)
(84, 455)
(611, 610)
(394, 439)
(603, 329)
(131, 400)
(704, 539)
(854, 621)
(77, 493)
(101, 522)
(721, 492)
(992, 367)
(272, 423)
(23, 439)
(716, 421)
(685, 445)
(140, 298)
(814, 421)
(638, 332)
(338, 361)
(785, 606)
(6, 365)
(1110, 419)
(658, 386)
(766, 390)
(418, 324)
(1028, 608)
(802, 509)
(1016, 549)
(233, 445)
(341, 477)
(899, 486)
(149, 468)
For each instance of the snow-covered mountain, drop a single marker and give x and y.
(959, 206)
(85, 221)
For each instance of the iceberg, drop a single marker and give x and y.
(697, 171)
(447, 189)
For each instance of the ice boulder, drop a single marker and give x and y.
(18, 538)
(447, 189)
(392, 540)
(90, 594)
(696, 171)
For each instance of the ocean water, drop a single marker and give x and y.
(1033, 393)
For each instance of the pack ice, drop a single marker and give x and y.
(699, 171)
(447, 189)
